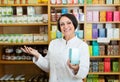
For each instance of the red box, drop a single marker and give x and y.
(109, 16)
(107, 65)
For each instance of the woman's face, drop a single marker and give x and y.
(67, 27)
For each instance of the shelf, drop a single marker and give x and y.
(103, 5)
(31, 24)
(68, 5)
(56, 22)
(15, 62)
(42, 4)
(104, 56)
(96, 39)
(26, 43)
(105, 73)
(105, 22)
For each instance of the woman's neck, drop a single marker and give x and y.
(67, 38)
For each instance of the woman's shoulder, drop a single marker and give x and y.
(54, 41)
(82, 42)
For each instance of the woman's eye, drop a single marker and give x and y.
(69, 23)
(61, 24)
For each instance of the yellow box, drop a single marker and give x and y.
(44, 1)
(101, 2)
(95, 1)
(11, 1)
(88, 31)
(53, 34)
(90, 49)
(102, 16)
(23, 2)
(5, 2)
(39, 1)
(17, 2)
(116, 2)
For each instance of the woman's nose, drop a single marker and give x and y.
(66, 26)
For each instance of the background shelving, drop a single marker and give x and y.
(34, 28)
(25, 67)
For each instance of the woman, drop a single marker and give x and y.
(57, 60)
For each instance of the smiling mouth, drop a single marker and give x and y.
(67, 30)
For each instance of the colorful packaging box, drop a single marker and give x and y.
(116, 16)
(102, 16)
(109, 16)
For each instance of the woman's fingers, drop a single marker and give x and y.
(26, 49)
(23, 50)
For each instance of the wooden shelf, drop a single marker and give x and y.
(68, 5)
(42, 4)
(56, 23)
(96, 39)
(31, 24)
(105, 22)
(26, 43)
(15, 62)
(103, 5)
(105, 73)
(104, 56)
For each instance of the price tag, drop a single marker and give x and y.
(103, 40)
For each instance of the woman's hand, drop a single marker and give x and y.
(31, 51)
(74, 67)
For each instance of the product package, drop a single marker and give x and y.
(74, 55)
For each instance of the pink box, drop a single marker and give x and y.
(109, 15)
(116, 16)
(89, 16)
(95, 16)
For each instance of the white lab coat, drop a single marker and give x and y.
(55, 61)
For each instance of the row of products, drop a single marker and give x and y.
(103, 1)
(111, 49)
(15, 53)
(22, 1)
(39, 78)
(92, 31)
(11, 78)
(42, 77)
(24, 19)
(102, 16)
(57, 34)
(18, 10)
(77, 12)
(13, 15)
(101, 78)
(108, 30)
(65, 2)
(104, 65)
(23, 38)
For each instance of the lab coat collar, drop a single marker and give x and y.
(69, 41)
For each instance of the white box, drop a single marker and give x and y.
(74, 55)
(116, 33)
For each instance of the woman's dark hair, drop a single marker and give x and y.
(71, 17)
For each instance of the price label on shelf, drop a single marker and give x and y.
(103, 40)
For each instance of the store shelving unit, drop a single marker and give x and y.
(15, 66)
